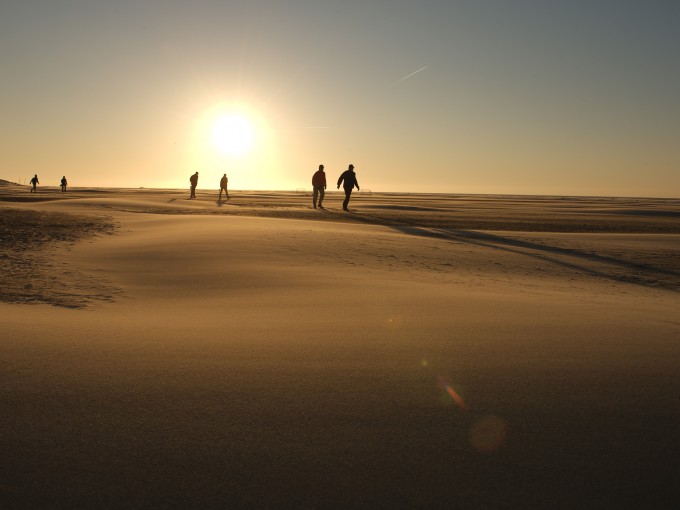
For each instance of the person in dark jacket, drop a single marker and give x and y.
(34, 182)
(319, 185)
(224, 181)
(194, 182)
(348, 180)
(64, 182)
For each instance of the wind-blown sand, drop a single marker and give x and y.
(425, 351)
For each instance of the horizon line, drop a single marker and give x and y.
(4, 183)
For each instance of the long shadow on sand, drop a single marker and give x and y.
(611, 268)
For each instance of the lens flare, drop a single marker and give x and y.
(488, 434)
(444, 385)
(394, 322)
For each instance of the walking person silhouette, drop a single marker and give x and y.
(348, 179)
(223, 186)
(194, 182)
(319, 185)
(34, 182)
(64, 182)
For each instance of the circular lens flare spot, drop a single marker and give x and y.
(488, 434)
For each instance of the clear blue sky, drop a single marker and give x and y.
(535, 97)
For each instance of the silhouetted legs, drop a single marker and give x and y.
(348, 193)
(193, 192)
(225, 192)
(320, 193)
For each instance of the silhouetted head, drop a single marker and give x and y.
(320, 167)
(351, 167)
(225, 175)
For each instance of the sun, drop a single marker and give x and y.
(232, 134)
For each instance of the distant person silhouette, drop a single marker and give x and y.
(64, 182)
(350, 180)
(319, 185)
(35, 182)
(194, 182)
(223, 186)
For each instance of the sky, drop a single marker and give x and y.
(471, 96)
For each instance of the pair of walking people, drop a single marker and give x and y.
(34, 183)
(348, 179)
(193, 181)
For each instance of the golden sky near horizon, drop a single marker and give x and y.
(529, 97)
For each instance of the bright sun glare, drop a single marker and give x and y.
(232, 134)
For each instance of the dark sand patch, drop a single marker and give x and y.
(658, 213)
(406, 208)
(32, 268)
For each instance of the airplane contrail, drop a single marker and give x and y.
(409, 75)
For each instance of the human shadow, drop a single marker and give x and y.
(643, 274)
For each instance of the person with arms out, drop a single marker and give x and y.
(34, 182)
(348, 180)
(319, 185)
(194, 182)
(64, 183)
(224, 181)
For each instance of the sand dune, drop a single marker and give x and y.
(422, 351)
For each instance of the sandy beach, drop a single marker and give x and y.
(420, 351)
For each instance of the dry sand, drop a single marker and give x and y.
(422, 351)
